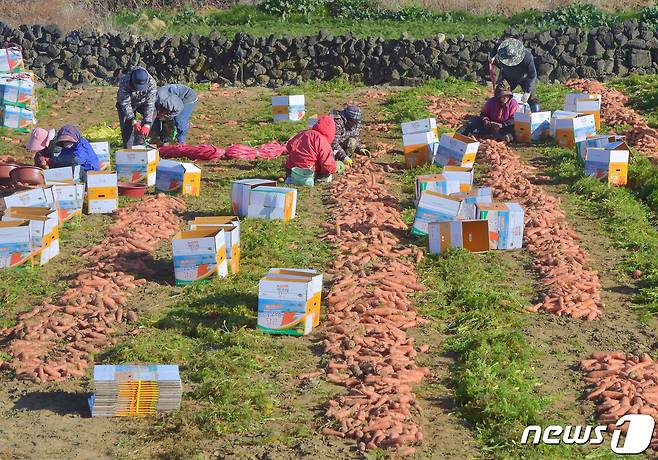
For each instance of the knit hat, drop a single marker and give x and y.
(352, 112)
(139, 79)
(40, 139)
(511, 52)
(503, 89)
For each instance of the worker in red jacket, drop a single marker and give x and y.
(311, 149)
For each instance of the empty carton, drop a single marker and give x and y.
(586, 104)
(178, 178)
(472, 235)
(137, 165)
(569, 131)
(505, 224)
(102, 192)
(434, 207)
(456, 150)
(231, 227)
(435, 183)
(609, 163)
(241, 192)
(532, 127)
(274, 203)
(199, 255)
(15, 243)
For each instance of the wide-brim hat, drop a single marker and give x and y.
(511, 52)
(40, 139)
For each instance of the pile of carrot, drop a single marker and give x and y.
(623, 384)
(448, 111)
(615, 112)
(366, 342)
(378, 127)
(53, 341)
(573, 289)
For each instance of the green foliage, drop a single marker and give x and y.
(643, 180)
(286, 8)
(643, 93)
(551, 97)
(354, 9)
(583, 15)
(649, 16)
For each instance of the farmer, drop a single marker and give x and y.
(174, 105)
(311, 149)
(76, 150)
(497, 116)
(348, 139)
(517, 68)
(41, 144)
(137, 93)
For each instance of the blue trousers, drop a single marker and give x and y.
(181, 121)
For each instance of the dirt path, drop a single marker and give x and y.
(563, 341)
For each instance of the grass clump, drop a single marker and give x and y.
(643, 93)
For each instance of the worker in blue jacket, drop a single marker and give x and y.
(174, 105)
(76, 150)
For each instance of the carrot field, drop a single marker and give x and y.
(418, 355)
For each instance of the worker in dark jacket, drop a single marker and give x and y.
(137, 93)
(174, 105)
(517, 68)
(348, 137)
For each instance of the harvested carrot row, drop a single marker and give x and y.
(615, 112)
(449, 111)
(623, 384)
(52, 342)
(573, 289)
(369, 311)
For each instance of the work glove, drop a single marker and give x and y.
(348, 162)
(364, 151)
(146, 129)
(340, 167)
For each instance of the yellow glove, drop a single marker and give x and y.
(364, 151)
(348, 162)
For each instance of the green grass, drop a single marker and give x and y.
(408, 104)
(625, 218)
(235, 371)
(551, 97)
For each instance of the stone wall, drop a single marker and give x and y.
(84, 57)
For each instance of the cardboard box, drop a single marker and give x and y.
(11, 60)
(18, 90)
(38, 197)
(472, 235)
(610, 163)
(44, 230)
(315, 285)
(15, 243)
(199, 255)
(435, 183)
(434, 207)
(286, 305)
(456, 150)
(69, 199)
(137, 165)
(231, 227)
(558, 115)
(102, 151)
(274, 203)
(596, 141)
(179, 178)
(471, 199)
(288, 108)
(241, 191)
(413, 141)
(418, 156)
(425, 125)
(532, 127)
(18, 118)
(569, 131)
(586, 104)
(505, 224)
(462, 175)
(102, 192)
(67, 174)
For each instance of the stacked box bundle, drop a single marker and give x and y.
(102, 192)
(178, 178)
(417, 138)
(532, 127)
(585, 104)
(241, 194)
(231, 227)
(199, 255)
(18, 100)
(289, 301)
(135, 390)
(288, 108)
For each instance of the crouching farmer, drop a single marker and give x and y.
(348, 134)
(174, 105)
(311, 150)
(496, 118)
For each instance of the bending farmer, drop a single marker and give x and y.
(76, 150)
(137, 93)
(311, 149)
(174, 105)
(41, 143)
(517, 68)
(497, 116)
(348, 137)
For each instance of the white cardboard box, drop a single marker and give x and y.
(274, 203)
(102, 192)
(199, 255)
(137, 165)
(241, 191)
